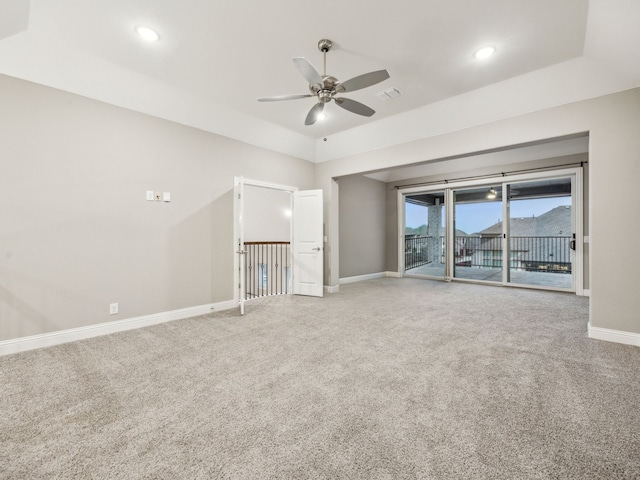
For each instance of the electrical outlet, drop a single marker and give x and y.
(113, 308)
(150, 195)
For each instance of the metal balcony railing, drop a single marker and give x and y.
(417, 251)
(527, 253)
(541, 254)
(267, 269)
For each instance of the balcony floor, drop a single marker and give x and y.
(540, 279)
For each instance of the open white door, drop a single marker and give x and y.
(308, 259)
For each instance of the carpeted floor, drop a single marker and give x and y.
(388, 379)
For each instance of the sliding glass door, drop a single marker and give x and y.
(521, 230)
(541, 233)
(424, 236)
(477, 240)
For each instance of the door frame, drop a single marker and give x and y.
(577, 193)
(239, 182)
(402, 193)
(577, 281)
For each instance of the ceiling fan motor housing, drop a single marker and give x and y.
(327, 90)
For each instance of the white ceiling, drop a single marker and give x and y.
(215, 58)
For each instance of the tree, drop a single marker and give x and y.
(420, 231)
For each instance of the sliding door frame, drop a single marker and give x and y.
(577, 212)
(402, 194)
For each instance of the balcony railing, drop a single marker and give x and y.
(267, 269)
(418, 251)
(548, 254)
(527, 253)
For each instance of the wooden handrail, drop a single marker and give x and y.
(267, 243)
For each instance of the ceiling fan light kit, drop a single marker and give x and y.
(326, 87)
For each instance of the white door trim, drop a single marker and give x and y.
(238, 206)
(401, 201)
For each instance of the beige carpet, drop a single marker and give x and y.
(388, 379)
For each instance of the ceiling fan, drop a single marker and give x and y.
(326, 87)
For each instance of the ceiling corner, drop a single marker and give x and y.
(14, 18)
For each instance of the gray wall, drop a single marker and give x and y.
(613, 123)
(267, 215)
(76, 232)
(362, 226)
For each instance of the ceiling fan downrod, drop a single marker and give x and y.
(324, 46)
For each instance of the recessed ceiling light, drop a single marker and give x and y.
(148, 34)
(484, 52)
(321, 116)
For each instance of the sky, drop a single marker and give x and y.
(474, 217)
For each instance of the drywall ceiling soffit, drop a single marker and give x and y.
(612, 36)
(14, 17)
(380, 176)
(572, 81)
(215, 59)
(507, 156)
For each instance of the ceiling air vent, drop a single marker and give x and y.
(388, 94)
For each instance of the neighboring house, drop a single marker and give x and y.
(537, 243)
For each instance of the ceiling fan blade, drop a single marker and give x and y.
(307, 70)
(278, 98)
(354, 107)
(363, 81)
(312, 116)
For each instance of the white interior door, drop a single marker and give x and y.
(308, 258)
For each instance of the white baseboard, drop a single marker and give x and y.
(369, 276)
(23, 344)
(331, 288)
(617, 336)
(360, 278)
(586, 292)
